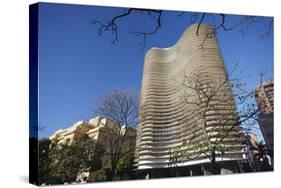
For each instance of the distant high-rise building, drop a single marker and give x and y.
(169, 116)
(265, 101)
(265, 97)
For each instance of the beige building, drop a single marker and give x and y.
(265, 101)
(168, 116)
(102, 130)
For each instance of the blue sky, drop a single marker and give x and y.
(76, 66)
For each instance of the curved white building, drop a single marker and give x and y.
(168, 115)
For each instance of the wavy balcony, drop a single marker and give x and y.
(167, 119)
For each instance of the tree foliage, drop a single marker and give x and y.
(44, 161)
(125, 165)
(62, 163)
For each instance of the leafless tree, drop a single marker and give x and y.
(121, 106)
(227, 103)
(156, 17)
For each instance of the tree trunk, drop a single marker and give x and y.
(113, 172)
(216, 169)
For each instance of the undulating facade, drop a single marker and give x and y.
(186, 102)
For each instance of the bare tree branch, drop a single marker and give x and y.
(113, 27)
(205, 96)
(200, 22)
(241, 26)
(145, 34)
(121, 106)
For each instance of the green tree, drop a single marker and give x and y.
(44, 161)
(67, 161)
(125, 165)
(65, 164)
(105, 173)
